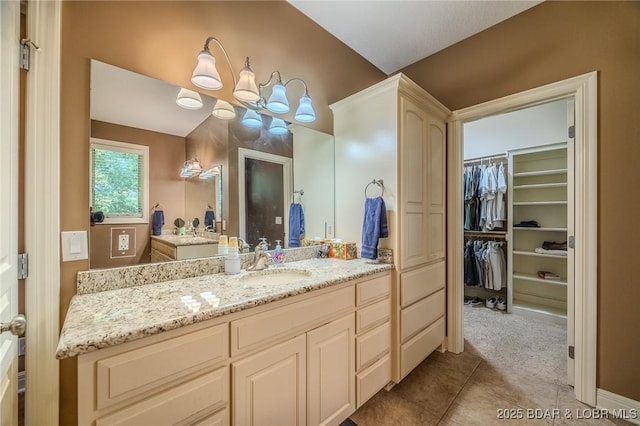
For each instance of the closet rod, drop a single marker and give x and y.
(487, 157)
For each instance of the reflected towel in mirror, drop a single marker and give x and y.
(209, 218)
(296, 224)
(158, 221)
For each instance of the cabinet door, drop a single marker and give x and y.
(331, 372)
(269, 388)
(422, 190)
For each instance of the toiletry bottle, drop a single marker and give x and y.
(278, 254)
(223, 245)
(232, 260)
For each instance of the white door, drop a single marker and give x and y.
(9, 72)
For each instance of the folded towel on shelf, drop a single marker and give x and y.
(296, 224)
(374, 226)
(540, 250)
(157, 222)
(209, 219)
(527, 224)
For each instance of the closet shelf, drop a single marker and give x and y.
(541, 173)
(535, 278)
(539, 203)
(486, 233)
(525, 228)
(542, 185)
(541, 309)
(533, 253)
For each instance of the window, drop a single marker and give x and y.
(119, 181)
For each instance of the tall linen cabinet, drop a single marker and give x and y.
(395, 132)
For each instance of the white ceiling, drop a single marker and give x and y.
(393, 34)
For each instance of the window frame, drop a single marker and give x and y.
(142, 150)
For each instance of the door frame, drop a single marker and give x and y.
(583, 89)
(287, 167)
(42, 213)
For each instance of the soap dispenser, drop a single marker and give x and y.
(278, 254)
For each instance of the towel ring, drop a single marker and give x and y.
(377, 182)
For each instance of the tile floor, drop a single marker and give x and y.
(471, 389)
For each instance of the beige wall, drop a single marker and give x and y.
(166, 156)
(161, 40)
(551, 42)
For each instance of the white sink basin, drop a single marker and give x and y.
(275, 276)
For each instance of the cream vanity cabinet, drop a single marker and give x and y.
(306, 360)
(396, 132)
(174, 247)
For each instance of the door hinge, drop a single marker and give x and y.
(572, 132)
(23, 266)
(571, 352)
(572, 242)
(25, 53)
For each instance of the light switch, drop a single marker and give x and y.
(74, 245)
(278, 220)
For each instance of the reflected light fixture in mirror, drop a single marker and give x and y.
(223, 110)
(210, 172)
(189, 99)
(206, 76)
(191, 168)
(278, 126)
(252, 119)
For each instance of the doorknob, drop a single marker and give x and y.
(17, 326)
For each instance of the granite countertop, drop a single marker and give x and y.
(108, 318)
(184, 240)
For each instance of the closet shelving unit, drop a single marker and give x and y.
(539, 190)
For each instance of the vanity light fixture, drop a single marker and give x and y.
(189, 99)
(224, 110)
(206, 76)
(210, 172)
(191, 168)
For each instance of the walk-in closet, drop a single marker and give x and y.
(518, 219)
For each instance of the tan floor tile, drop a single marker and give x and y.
(434, 384)
(575, 412)
(388, 409)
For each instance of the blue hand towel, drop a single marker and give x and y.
(373, 227)
(296, 224)
(209, 218)
(158, 221)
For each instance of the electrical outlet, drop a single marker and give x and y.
(123, 242)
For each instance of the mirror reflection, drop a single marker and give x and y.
(216, 174)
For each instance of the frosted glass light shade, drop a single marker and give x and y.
(305, 112)
(278, 101)
(246, 89)
(224, 110)
(206, 75)
(278, 127)
(189, 99)
(252, 119)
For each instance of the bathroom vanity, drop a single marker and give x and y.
(304, 343)
(180, 247)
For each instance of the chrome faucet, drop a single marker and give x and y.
(260, 260)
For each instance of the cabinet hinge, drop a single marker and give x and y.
(25, 53)
(572, 132)
(23, 266)
(571, 352)
(572, 242)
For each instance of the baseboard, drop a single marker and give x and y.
(618, 406)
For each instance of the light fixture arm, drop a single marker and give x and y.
(306, 91)
(226, 55)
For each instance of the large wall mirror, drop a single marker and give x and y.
(234, 191)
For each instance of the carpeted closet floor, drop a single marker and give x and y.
(509, 363)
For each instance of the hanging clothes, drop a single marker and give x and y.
(485, 264)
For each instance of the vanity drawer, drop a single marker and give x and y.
(177, 405)
(373, 289)
(371, 380)
(373, 315)
(417, 349)
(416, 284)
(126, 375)
(372, 345)
(421, 314)
(261, 329)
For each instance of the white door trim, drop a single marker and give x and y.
(287, 167)
(584, 90)
(42, 213)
